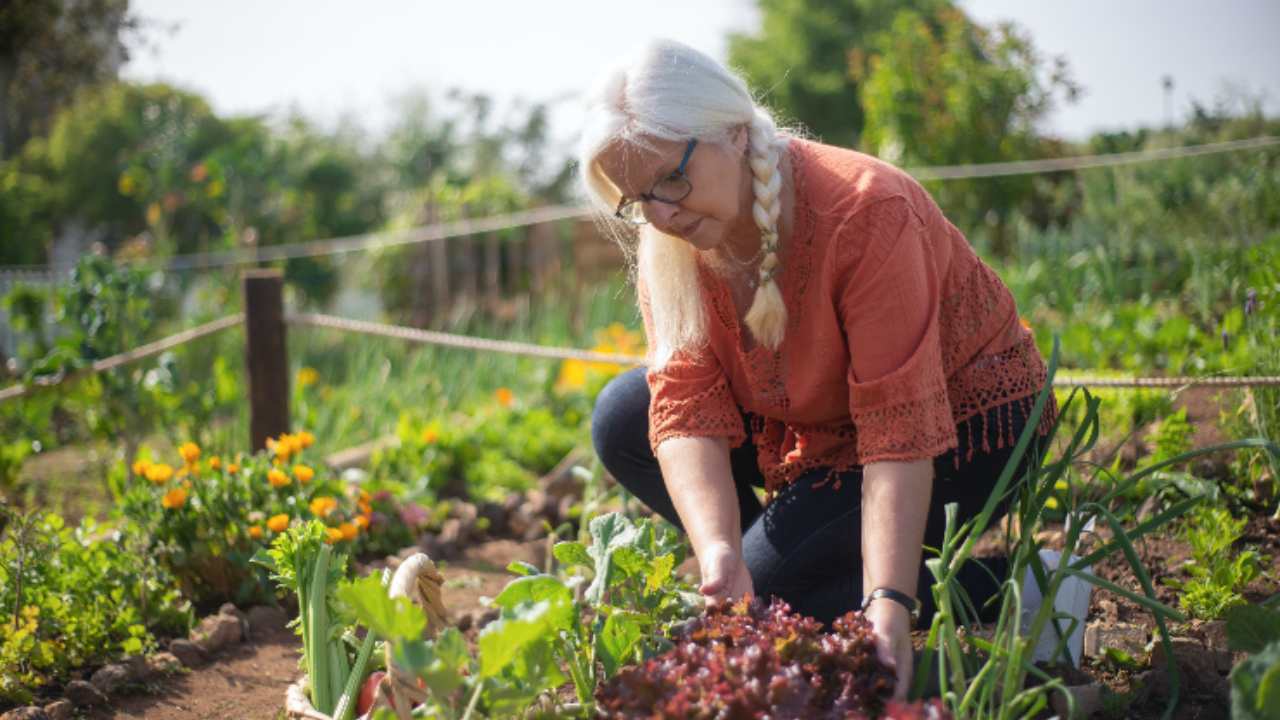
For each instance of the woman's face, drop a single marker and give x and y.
(721, 195)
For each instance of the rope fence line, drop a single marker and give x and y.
(512, 221)
(138, 353)
(511, 347)
(1082, 162)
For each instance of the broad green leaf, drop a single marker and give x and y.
(1255, 685)
(629, 561)
(538, 588)
(608, 532)
(505, 639)
(616, 642)
(520, 567)
(394, 619)
(659, 572)
(572, 553)
(1252, 627)
(439, 663)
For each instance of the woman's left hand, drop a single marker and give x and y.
(891, 627)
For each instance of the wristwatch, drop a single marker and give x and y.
(911, 604)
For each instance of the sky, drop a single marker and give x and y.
(331, 59)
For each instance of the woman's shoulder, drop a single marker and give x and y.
(840, 182)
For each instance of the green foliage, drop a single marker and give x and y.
(1217, 574)
(545, 635)
(1255, 685)
(1250, 628)
(72, 597)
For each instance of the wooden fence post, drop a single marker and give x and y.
(266, 361)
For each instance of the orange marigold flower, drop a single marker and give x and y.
(349, 531)
(278, 523)
(361, 522)
(140, 467)
(159, 473)
(190, 452)
(429, 436)
(303, 473)
(174, 499)
(323, 505)
(277, 478)
(255, 532)
(305, 439)
(505, 397)
(332, 535)
(233, 468)
(215, 462)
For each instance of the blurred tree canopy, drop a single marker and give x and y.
(916, 83)
(50, 49)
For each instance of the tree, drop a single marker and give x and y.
(943, 90)
(799, 63)
(49, 50)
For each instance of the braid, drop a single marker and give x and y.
(767, 317)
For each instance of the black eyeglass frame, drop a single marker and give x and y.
(679, 172)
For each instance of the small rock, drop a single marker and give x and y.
(164, 663)
(60, 709)
(1196, 664)
(235, 612)
(1098, 636)
(540, 503)
(187, 652)
(31, 712)
(110, 678)
(512, 501)
(267, 619)
(217, 632)
(84, 694)
(1215, 639)
(139, 669)
(496, 515)
(524, 521)
(1088, 700)
(466, 512)
(430, 544)
(452, 532)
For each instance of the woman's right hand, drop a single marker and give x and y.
(724, 574)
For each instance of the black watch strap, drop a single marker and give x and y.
(911, 604)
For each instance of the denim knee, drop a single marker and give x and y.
(620, 418)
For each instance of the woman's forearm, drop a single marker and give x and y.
(895, 507)
(700, 481)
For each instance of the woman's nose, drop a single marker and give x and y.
(660, 213)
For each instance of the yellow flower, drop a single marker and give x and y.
(1051, 503)
(429, 436)
(174, 499)
(233, 468)
(278, 523)
(332, 535)
(255, 532)
(303, 473)
(305, 439)
(277, 478)
(190, 452)
(362, 522)
(504, 396)
(140, 467)
(349, 531)
(126, 185)
(573, 375)
(153, 214)
(323, 505)
(215, 462)
(159, 473)
(307, 376)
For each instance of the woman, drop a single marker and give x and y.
(816, 327)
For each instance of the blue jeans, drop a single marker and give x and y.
(806, 546)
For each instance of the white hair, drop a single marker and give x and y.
(671, 91)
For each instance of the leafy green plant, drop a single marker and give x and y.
(72, 597)
(1217, 575)
(981, 678)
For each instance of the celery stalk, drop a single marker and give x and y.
(347, 703)
(318, 630)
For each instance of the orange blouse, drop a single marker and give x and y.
(896, 334)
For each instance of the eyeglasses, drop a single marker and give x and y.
(671, 190)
